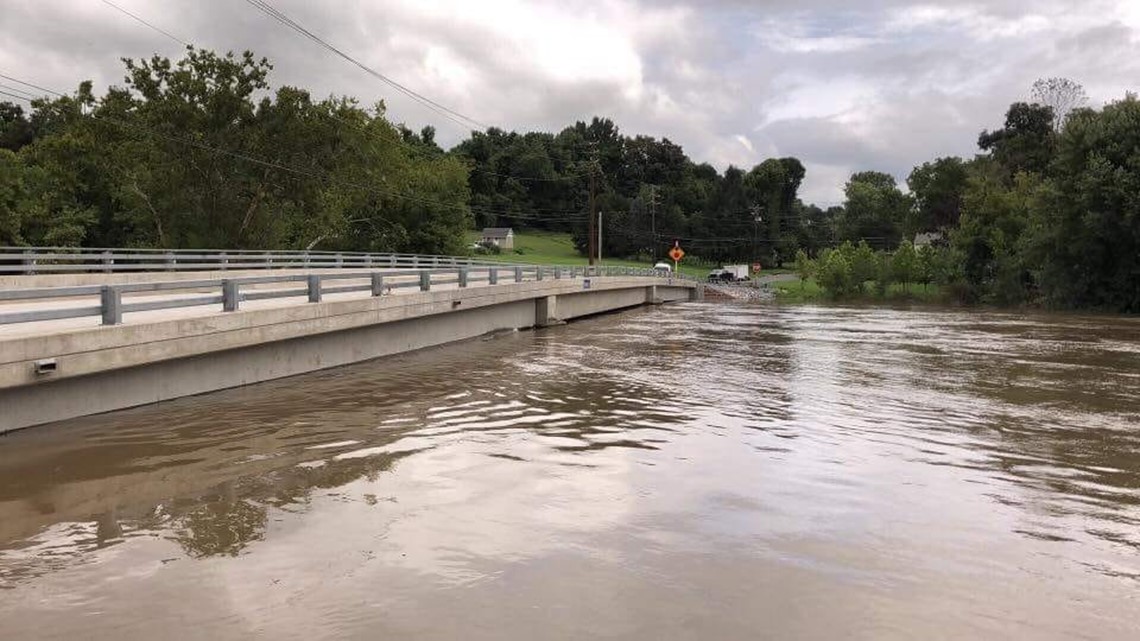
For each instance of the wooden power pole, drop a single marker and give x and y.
(590, 250)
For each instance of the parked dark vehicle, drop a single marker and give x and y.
(720, 276)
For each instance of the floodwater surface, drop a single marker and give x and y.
(696, 471)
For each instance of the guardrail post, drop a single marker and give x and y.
(518, 274)
(231, 295)
(425, 281)
(538, 273)
(224, 259)
(368, 261)
(305, 259)
(557, 273)
(392, 260)
(492, 275)
(314, 281)
(377, 284)
(463, 277)
(29, 262)
(111, 298)
(435, 261)
(339, 260)
(171, 261)
(107, 262)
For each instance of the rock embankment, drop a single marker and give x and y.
(757, 289)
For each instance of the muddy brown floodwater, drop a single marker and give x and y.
(696, 471)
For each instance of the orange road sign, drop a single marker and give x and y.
(676, 254)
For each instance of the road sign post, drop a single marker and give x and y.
(676, 254)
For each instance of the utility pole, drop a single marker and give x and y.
(591, 215)
(599, 237)
(653, 221)
(757, 217)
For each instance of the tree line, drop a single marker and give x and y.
(1048, 213)
(202, 152)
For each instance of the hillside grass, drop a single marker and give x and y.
(557, 248)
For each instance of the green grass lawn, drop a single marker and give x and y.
(557, 248)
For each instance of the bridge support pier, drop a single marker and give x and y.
(546, 311)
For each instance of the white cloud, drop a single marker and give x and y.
(844, 86)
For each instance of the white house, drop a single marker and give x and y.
(929, 238)
(503, 237)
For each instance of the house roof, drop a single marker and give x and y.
(497, 231)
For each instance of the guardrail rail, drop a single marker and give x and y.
(55, 260)
(231, 292)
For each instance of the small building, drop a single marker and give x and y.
(929, 238)
(503, 237)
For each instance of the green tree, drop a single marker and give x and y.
(863, 262)
(937, 188)
(904, 264)
(884, 272)
(1026, 142)
(833, 273)
(11, 198)
(925, 265)
(875, 210)
(1083, 243)
(16, 131)
(804, 266)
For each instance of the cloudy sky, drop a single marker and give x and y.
(843, 85)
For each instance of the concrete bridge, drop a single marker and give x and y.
(76, 342)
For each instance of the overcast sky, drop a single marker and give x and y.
(884, 86)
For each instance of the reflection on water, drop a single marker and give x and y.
(694, 471)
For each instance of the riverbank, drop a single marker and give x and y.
(809, 291)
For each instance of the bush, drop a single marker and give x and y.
(485, 248)
(833, 273)
(904, 264)
(805, 266)
(885, 272)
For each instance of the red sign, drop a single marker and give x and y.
(676, 254)
(756, 268)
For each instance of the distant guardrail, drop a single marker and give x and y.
(230, 292)
(55, 260)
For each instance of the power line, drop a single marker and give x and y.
(455, 116)
(22, 93)
(28, 84)
(398, 140)
(12, 95)
(265, 7)
(138, 19)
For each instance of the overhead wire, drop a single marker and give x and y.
(17, 92)
(286, 20)
(140, 20)
(14, 96)
(28, 84)
(447, 112)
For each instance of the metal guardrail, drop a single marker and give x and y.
(230, 292)
(54, 260)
